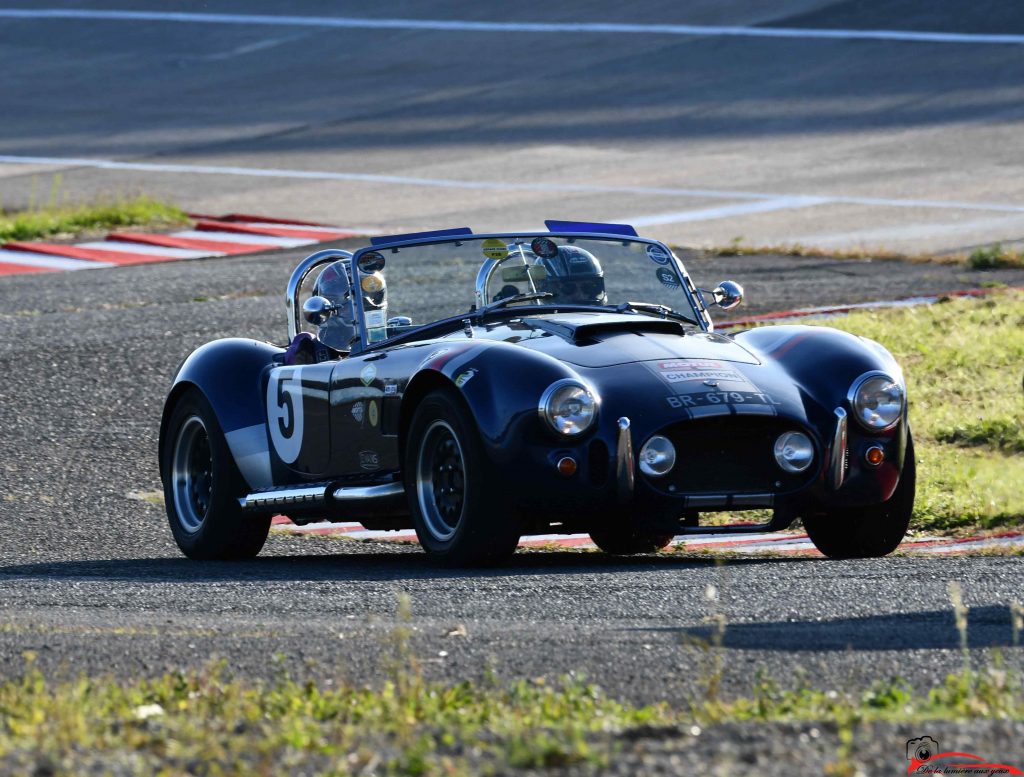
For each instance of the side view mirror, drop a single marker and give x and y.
(316, 310)
(727, 295)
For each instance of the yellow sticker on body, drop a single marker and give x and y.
(494, 249)
(373, 413)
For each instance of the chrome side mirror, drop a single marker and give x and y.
(728, 295)
(316, 310)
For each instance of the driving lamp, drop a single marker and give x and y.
(658, 456)
(794, 451)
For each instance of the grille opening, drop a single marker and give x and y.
(731, 455)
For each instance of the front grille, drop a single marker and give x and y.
(731, 455)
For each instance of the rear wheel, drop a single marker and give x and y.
(202, 486)
(625, 540)
(868, 532)
(447, 479)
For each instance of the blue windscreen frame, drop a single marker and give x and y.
(591, 226)
(380, 240)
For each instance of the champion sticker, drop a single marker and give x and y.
(373, 413)
(667, 278)
(494, 249)
(358, 411)
(368, 374)
(465, 377)
(657, 254)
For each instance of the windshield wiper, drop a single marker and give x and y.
(526, 297)
(654, 307)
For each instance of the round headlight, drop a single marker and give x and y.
(658, 456)
(794, 451)
(568, 407)
(877, 402)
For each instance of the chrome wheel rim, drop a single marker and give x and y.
(441, 481)
(192, 474)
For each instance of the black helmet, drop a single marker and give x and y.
(574, 275)
(339, 329)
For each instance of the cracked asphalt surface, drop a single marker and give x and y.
(91, 581)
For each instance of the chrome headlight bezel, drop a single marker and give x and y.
(552, 396)
(855, 399)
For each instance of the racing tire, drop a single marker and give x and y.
(448, 480)
(202, 486)
(625, 540)
(868, 532)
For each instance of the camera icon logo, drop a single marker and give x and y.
(921, 749)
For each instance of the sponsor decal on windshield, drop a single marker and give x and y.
(494, 249)
(657, 254)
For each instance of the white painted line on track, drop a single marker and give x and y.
(451, 183)
(29, 259)
(723, 212)
(457, 25)
(241, 237)
(146, 248)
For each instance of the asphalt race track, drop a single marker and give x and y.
(840, 142)
(911, 145)
(91, 580)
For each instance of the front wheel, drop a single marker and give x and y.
(202, 486)
(447, 479)
(868, 532)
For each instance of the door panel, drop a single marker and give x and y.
(298, 417)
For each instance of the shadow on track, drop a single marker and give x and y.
(989, 626)
(370, 566)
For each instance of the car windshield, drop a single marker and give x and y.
(444, 278)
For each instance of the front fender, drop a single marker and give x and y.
(230, 374)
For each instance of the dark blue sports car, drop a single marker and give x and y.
(565, 381)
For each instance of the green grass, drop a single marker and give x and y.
(54, 220)
(994, 257)
(963, 360)
(409, 727)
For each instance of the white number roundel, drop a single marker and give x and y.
(284, 412)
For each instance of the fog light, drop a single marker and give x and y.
(874, 456)
(794, 451)
(657, 457)
(566, 466)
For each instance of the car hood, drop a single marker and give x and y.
(604, 340)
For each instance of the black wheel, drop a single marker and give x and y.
(202, 486)
(621, 539)
(447, 480)
(868, 532)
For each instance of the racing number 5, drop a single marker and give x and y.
(284, 412)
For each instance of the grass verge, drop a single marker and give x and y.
(207, 723)
(964, 361)
(70, 220)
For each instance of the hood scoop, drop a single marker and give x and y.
(582, 331)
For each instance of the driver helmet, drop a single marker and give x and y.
(340, 329)
(574, 275)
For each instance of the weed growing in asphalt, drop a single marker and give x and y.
(995, 257)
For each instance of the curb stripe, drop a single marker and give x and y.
(46, 262)
(119, 258)
(143, 248)
(268, 243)
(212, 247)
(272, 231)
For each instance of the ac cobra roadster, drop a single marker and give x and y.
(503, 385)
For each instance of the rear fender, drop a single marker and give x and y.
(231, 374)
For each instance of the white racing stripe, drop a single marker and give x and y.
(456, 25)
(798, 200)
(246, 239)
(145, 248)
(49, 261)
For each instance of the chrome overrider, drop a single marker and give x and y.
(837, 466)
(625, 473)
